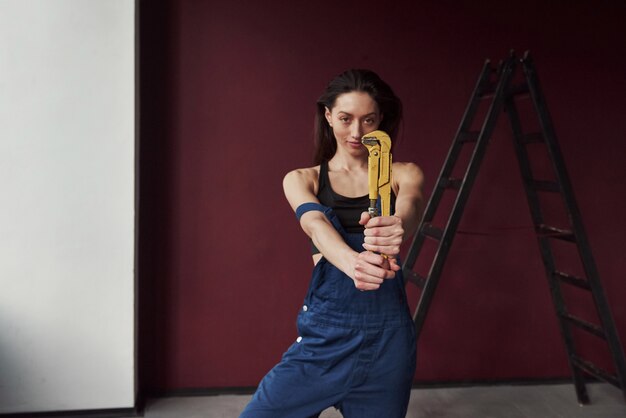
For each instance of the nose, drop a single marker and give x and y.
(356, 131)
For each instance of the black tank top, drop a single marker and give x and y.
(347, 209)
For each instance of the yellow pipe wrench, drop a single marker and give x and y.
(379, 163)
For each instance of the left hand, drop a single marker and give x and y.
(383, 234)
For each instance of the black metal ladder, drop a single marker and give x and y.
(497, 86)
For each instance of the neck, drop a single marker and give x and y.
(345, 162)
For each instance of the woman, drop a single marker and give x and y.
(356, 344)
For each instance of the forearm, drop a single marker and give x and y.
(409, 202)
(330, 243)
(410, 211)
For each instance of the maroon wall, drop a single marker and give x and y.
(227, 96)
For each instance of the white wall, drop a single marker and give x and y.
(67, 151)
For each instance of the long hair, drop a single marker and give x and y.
(365, 81)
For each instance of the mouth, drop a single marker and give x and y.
(354, 144)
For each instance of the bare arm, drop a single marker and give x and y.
(366, 269)
(409, 200)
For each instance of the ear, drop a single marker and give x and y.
(328, 116)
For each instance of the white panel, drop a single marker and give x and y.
(67, 204)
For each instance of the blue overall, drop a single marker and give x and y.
(355, 350)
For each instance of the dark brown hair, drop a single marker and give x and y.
(365, 81)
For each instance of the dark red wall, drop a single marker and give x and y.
(227, 102)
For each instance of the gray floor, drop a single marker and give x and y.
(541, 401)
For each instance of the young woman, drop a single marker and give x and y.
(356, 344)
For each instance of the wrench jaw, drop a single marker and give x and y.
(378, 145)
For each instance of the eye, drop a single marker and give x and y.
(369, 121)
(344, 119)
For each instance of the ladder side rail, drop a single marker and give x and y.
(463, 194)
(584, 249)
(446, 170)
(545, 249)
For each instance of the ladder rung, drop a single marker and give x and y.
(573, 280)
(519, 89)
(594, 371)
(468, 136)
(553, 232)
(545, 185)
(450, 183)
(416, 279)
(432, 231)
(532, 138)
(587, 326)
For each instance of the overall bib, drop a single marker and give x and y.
(355, 350)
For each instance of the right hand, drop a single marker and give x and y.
(371, 269)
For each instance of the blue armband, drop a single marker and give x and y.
(309, 206)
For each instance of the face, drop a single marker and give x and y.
(353, 115)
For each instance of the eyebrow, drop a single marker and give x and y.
(350, 114)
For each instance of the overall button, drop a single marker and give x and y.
(298, 339)
(305, 308)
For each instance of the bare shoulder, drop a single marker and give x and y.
(300, 185)
(302, 177)
(407, 173)
(408, 167)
